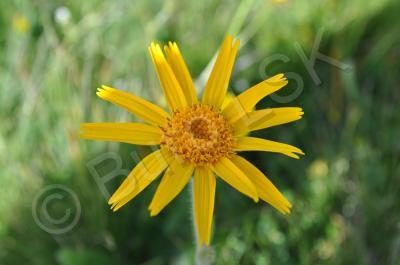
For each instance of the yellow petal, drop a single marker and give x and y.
(172, 183)
(228, 98)
(131, 133)
(232, 175)
(170, 85)
(204, 196)
(140, 177)
(265, 118)
(247, 100)
(137, 106)
(178, 66)
(258, 144)
(217, 84)
(265, 189)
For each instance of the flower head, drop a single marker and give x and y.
(199, 135)
(197, 138)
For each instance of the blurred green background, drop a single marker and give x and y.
(345, 191)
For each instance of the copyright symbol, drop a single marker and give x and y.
(56, 209)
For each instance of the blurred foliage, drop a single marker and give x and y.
(345, 191)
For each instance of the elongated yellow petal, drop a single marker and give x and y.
(140, 177)
(178, 66)
(265, 118)
(170, 85)
(232, 175)
(247, 100)
(204, 196)
(131, 133)
(217, 84)
(258, 144)
(265, 189)
(172, 183)
(137, 106)
(227, 100)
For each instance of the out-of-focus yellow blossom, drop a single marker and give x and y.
(280, 2)
(20, 23)
(318, 168)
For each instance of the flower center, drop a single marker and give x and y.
(198, 134)
(200, 128)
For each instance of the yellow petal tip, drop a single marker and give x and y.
(153, 213)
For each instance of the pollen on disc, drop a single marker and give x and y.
(199, 134)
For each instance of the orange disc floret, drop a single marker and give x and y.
(198, 134)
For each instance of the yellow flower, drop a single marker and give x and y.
(20, 23)
(279, 2)
(198, 138)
